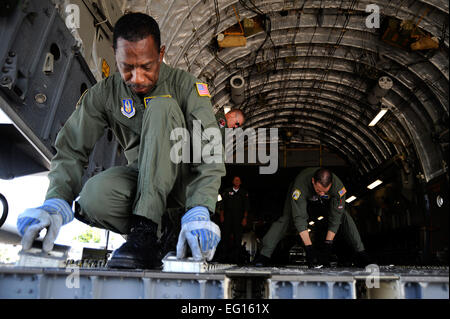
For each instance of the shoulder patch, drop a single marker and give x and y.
(202, 89)
(296, 194)
(342, 191)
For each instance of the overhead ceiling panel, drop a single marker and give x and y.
(313, 66)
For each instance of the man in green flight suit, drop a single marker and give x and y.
(313, 185)
(142, 104)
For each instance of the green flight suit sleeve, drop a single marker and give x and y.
(74, 143)
(204, 186)
(337, 205)
(298, 204)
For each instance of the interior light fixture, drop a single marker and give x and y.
(350, 199)
(226, 109)
(311, 223)
(375, 184)
(378, 117)
(320, 218)
(219, 198)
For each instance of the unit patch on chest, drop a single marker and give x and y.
(127, 108)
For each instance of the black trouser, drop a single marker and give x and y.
(231, 234)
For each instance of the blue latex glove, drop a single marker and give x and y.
(52, 215)
(200, 233)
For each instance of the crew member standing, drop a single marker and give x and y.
(233, 217)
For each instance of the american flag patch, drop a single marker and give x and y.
(202, 89)
(342, 191)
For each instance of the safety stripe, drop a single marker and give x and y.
(207, 239)
(58, 206)
(24, 223)
(198, 213)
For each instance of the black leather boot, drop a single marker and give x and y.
(141, 250)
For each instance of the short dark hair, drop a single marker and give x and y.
(135, 27)
(323, 176)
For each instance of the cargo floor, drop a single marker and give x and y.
(233, 282)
